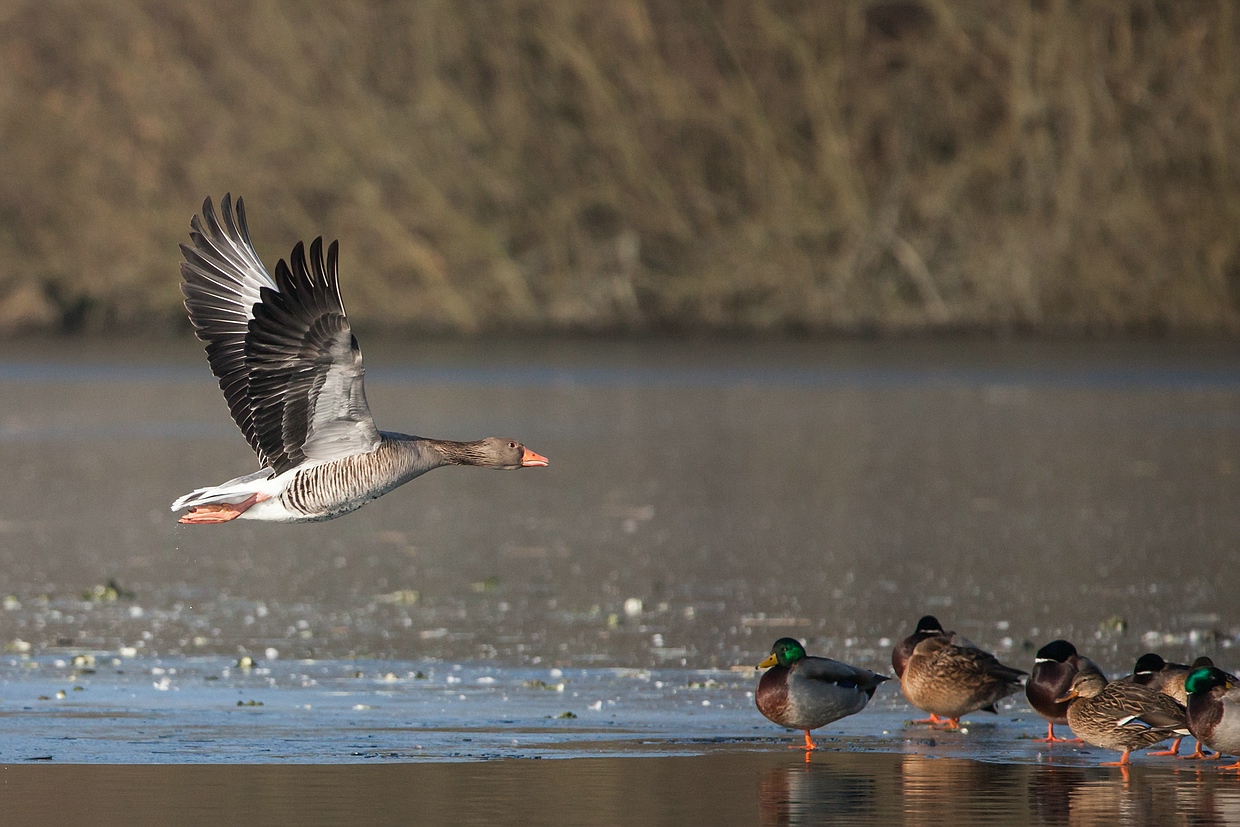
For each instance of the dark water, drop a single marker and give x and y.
(726, 788)
(702, 500)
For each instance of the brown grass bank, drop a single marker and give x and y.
(637, 164)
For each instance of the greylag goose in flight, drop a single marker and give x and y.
(291, 371)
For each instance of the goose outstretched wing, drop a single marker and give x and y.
(282, 349)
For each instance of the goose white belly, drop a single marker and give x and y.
(311, 492)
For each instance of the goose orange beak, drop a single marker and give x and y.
(771, 660)
(532, 460)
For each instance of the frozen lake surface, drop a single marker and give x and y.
(702, 500)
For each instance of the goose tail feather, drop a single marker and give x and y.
(241, 487)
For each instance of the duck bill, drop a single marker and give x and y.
(1071, 693)
(770, 661)
(532, 460)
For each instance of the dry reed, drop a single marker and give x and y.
(637, 164)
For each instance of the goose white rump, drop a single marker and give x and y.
(291, 372)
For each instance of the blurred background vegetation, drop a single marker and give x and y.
(1049, 165)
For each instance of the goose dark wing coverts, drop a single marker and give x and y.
(282, 349)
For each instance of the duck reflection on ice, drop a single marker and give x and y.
(873, 788)
(816, 792)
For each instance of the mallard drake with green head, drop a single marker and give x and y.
(1054, 667)
(1121, 715)
(948, 676)
(802, 692)
(1214, 710)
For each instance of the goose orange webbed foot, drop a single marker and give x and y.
(219, 512)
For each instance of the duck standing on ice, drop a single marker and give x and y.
(291, 371)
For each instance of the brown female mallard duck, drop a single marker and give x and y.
(1054, 667)
(928, 626)
(1121, 715)
(802, 692)
(1214, 710)
(948, 677)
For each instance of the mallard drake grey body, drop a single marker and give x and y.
(802, 692)
(1054, 667)
(291, 371)
(948, 676)
(1121, 715)
(1214, 710)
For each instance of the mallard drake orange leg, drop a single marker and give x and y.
(809, 744)
(1174, 749)
(1229, 767)
(933, 720)
(1051, 738)
(947, 724)
(220, 512)
(1200, 754)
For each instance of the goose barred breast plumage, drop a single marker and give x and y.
(292, 375)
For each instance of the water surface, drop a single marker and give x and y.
(702, 500)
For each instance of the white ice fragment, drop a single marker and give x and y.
(136, 611)
(272, 653)
(486, 679)
(633, 606)
(596, 706)
(556, 673)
